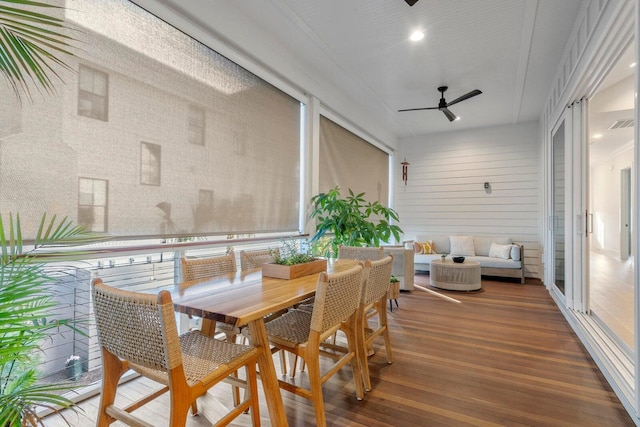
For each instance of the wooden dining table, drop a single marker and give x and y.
(244, 298)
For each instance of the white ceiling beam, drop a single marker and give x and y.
(528, 24)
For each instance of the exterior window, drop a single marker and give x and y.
(150, 164)
(93, 94)
(92, 204)
(196, 125)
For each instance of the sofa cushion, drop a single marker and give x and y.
(488, 262)
(515, 252)
(500, 251)
(425, 259)
(462, 245)
(483, 244)
(439, 244)
(425, 247)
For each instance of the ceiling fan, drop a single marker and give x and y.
(443, 105)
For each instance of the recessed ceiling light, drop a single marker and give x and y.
(416, 36)
(633, 64)
(596, 136)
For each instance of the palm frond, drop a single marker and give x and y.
(23, 395)
(30, 44)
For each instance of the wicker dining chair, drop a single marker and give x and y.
(344, 252)
(254, 259)
(194, 269)
(138, 331)
(373, 302)
(303, 333)
(251, 259)
(205, 268)
(360, 252)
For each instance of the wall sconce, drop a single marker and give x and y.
(405, 171)
(486, 185)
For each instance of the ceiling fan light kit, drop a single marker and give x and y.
(443, 105)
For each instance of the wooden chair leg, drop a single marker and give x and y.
(179, 410)
(236, 391)
(353, 342)
(112, 370)
(283, 362)
(383, 323)
(313, 371)
(252, 380)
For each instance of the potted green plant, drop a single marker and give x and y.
(291, 262)
(352, 221)
(26, 304)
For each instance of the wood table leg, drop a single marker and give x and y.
(259, 339)
(208, 327)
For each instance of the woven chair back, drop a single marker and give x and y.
(378, 280)
(254, 259)
(337, 298)
(360, 252)
(204, 268)
(137, 327)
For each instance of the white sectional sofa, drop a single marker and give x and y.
(498, 256)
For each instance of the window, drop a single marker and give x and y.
(196, 125)
(92, 204)
(93, 93)
(149, 164)
(159, 93)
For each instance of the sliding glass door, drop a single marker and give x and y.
(557, 220)
(611, 257)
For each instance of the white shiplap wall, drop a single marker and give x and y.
(445, 192)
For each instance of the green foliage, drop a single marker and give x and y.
(26, 302)
(290, 253)
(352, 220)
(29, 42)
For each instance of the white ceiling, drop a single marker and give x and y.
(355, 56)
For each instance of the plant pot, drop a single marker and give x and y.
(293, 271)
(74, 370)
(394, 290)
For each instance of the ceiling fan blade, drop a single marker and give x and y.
(418, 109)
(411, 2)
(449, 114)
(465, 96)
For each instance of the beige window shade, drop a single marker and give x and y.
(181, 122)
(352, 163)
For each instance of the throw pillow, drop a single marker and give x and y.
(515, 252)
(417, 248)
(462, 245)
(427, 247)
(499, 251)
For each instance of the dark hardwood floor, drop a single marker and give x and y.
(503, 356)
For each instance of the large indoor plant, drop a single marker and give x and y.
(351, 221)
(26, 304)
